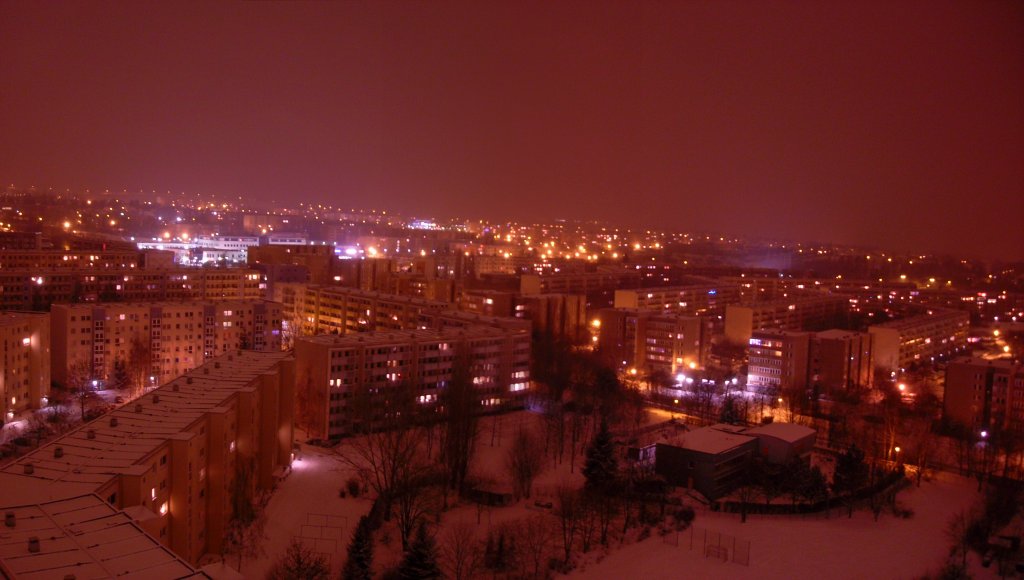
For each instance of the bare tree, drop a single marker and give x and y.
(460, 408)
(959, 533)
(569, 511)
(139, 366)
(413, 499)
(461, 554)
(524, 462)
(534, 535)
(245, 531)
(388, 454)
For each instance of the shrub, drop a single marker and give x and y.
(353, 487)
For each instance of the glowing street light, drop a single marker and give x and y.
(902, 387)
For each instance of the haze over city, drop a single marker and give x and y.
(511, 290)
(896, 124)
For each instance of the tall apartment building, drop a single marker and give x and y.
(36, 289)
(24, 362)
(985, 395)
(650, 340)
(793, 313)
(779, 360)
(903, 343)
(332, 370)
(841, 360)
(175, 337)
(562, 315)
(706, 298)
(170, 459)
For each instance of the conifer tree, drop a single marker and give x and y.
(601, 468)
(359, 565)
(420, 562)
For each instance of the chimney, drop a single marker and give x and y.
(138, 407)
(156, 399)
(29, 469)
(58, 452)
(10, 520)
(113, 421)
(33, 544)
(90, 434)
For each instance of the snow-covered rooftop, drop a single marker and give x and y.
(789, 432)
(85, 537)
(711, 440)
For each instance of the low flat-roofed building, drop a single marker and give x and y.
(82, 537)
(781, 443)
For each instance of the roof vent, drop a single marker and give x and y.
(33, 544)
(216, 364)
(90, 434)
(138, 408)
(175, 387)
(206, 370)
(188, 380)
(58, 452)
(231, 357)
(29, 469)
(156, 399)
(10, 520)
(70, 577)
(113, 421)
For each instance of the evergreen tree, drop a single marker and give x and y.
(601, 468)
(359, 565)
(850, 475)
(119, 375)
(420, 562)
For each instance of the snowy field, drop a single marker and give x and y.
(787, 547)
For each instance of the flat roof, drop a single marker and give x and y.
(142, 426)
(711, 440)
(789, 432)
(86, 537)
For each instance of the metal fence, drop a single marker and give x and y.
(712, 544)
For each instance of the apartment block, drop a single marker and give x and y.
(578, 282)
(25, 368)
(779, 360)
(37, 289)
(97, 259)
(650, 340)
(902, 343)
(841, 360)
(985, 395)
(339, 310)
(798, 312)
(170, 459)
(333, 370)
(170, 337)
(706, 298)
(561, 315)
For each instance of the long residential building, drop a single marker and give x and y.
(702, 298)
(24, 362)
(170, 459)
(333, 371)
(37, 289)
(339, 310)
(793, 313)
(51, 259)
(158, 339)
(83, 537)
(561, 315)
(903, 343)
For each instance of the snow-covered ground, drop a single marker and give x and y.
(306, 504)
(794, 547)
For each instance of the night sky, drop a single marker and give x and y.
(896, 125)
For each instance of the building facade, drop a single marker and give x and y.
(160, 340)
(902, 343)
(24, 362)
(985, 395)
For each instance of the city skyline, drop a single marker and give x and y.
(892, 126)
